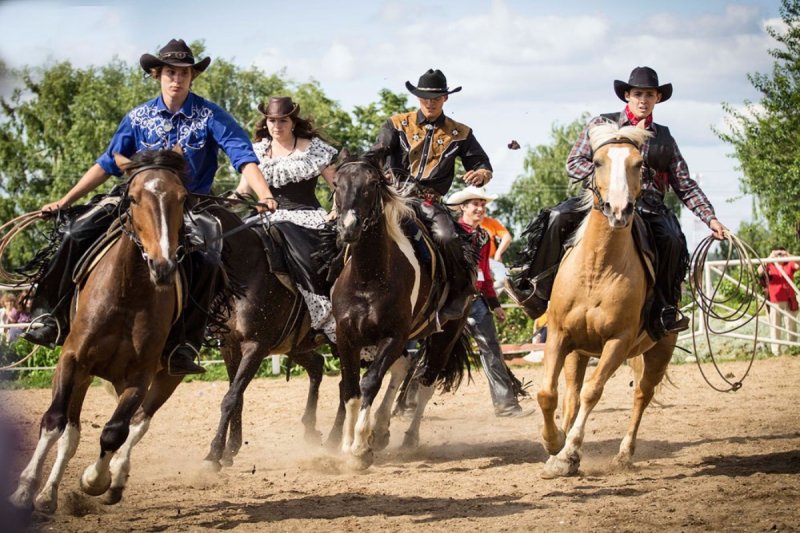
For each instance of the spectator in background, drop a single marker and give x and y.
(499, 237)
(19, 314)
(503, 386)
(7, 301)
(782, 295)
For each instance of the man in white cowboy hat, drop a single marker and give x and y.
(504, 388)
(664, 167)
(422, 149)
(175, 116)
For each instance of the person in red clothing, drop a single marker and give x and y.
(470, 203)
(782, 295)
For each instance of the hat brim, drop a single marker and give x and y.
(429, 94)
(263, 109)
(464, 195)
(621, 87)
(149, 62)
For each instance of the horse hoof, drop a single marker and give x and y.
(622, 463)
(46, 505)
(226, 461)
(361, 462)
(112, 496)
(380, 440)
(21, 501)
(410, 441)
(558, 466)
(313, 438)
(94, 484)
(210, 465)
(555, 446)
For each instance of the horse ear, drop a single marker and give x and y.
(177, 149)
(121, 161)
(642, 125)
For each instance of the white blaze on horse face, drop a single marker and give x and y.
(152, 186)
(618, 193)
(349, 218)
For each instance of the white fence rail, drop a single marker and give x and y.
(788, 335)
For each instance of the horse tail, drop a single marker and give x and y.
(450, 377)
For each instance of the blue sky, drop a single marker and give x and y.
(523, 65)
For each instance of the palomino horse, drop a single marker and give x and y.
(124, 310)
(596, 305)
(384, 296)
(268, 316)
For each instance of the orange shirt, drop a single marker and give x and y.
(496, 231)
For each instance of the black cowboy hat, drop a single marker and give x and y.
(175, 54)
(279, 107)
(642, 78)
(432, 84)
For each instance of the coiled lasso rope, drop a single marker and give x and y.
(746, 286)
(12, 280)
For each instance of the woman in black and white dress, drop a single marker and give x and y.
(291, 157)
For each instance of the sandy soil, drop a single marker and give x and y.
(704, 461)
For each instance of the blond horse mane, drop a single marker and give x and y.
(395, 210)
(598, 135)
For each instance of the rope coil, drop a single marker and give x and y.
(739, 261)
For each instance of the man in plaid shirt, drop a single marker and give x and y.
(664, 167)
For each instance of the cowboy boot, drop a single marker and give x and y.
(673, 321)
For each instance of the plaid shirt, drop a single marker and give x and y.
(581, 168)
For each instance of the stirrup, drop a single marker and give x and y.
(190, 367)
(676, 325)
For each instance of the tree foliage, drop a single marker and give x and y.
(766, 135)
(59, 118)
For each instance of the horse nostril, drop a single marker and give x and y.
(628, 209)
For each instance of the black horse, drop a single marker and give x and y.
(389, 292)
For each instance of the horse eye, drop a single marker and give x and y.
(597, 163)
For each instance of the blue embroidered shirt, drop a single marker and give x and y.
(200, 126)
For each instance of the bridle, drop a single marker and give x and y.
(592, 185)
(374, 214)
(124, 212)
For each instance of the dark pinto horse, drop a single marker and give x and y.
(384, 296)
(124, 311)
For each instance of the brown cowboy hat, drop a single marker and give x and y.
(279, 107)
(175, 54)
(642, 78)
(432, 84)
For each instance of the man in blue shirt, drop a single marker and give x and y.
(176, 116)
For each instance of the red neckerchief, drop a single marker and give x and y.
(634, 120)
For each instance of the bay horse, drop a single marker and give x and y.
(596, 306)
(123, 312)
(385, 296)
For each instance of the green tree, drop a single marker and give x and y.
(60, 118)
(766, 136)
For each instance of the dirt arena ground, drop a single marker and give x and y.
(704, 461)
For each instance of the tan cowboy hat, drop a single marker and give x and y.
(279, 107)
(176, 54)
(469, 193)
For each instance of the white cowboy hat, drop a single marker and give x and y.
(469, 193)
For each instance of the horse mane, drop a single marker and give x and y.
(396, 206)
(162, 158)
(605, 132)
